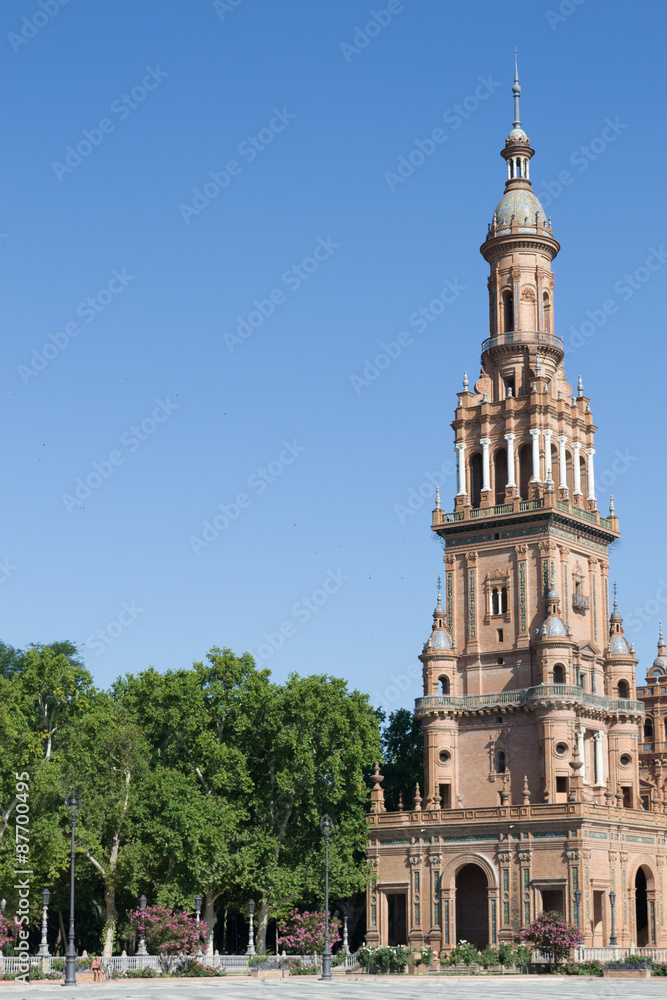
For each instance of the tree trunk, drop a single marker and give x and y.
(263, 915)
(224, 933)
(110, 925)
(211, 918)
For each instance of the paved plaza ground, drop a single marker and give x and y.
(361, 988)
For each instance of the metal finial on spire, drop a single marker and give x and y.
(660, 638)
(516, 90)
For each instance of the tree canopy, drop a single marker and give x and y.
(210, 779)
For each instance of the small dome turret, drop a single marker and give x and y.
(553, 624)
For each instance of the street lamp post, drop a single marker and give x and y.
(613, 943)
(141, 950)
(73, 803)
(198, 902)
(577, 900)
(251, 937)
(44, 946)
(326, 826)
(345, 946)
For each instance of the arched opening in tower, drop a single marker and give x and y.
(476, 480)
(641, 908)
(500, 474)
(525, 469)
(472, 906)
(508, 311)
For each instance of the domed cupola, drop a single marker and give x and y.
(553, 626)
(660, 663)
(618, 644)
(440, 638)
(519, 206)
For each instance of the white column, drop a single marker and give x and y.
(535, 434)
(486, 467)
(576, 448)
(461, 467)
(547, 455)
(591, 474)
(562, 462)
(511, 461)
(580, 749)
(599, 769)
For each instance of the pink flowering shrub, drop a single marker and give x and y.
(552, 935)
(168, 934)
(303, 933)
(8, 929)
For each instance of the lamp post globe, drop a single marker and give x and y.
(327, 828)
(73, 803)
(198, 902)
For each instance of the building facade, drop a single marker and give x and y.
(532, 797)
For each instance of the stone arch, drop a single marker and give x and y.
(475, 479)
(473, 878)
(559, 674)
(623, 689)
(643, 893)
(507, 319)
(525, 469)
(444, 683)
(648, 729)
(500, 474)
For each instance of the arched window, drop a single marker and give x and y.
(559, 674)
(495, 602)
(525, 469)
(568, 472)
(546, 311)
(583, 473)
(501, 766)
(500, 474)
(444, 685)
(648, 729)
(622, 688)
(508, 311)
(476, 480)
(503, 600)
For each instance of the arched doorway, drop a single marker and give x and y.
(641, 909)
(476, 480)
(472, 907)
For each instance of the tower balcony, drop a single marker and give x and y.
(520, 338)
(541, 696)
(546, 507)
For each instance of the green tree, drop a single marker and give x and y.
(403, 756)
(311, 740)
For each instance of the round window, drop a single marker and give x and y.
(445, 756)
(625, 760)
(561, 749)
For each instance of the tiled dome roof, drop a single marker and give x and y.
(519, 202)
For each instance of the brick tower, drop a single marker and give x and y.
(531, 798)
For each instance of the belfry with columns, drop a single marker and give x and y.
(532, 729)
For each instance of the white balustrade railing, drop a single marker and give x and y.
(238, 964)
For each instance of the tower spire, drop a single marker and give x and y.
(516, 90)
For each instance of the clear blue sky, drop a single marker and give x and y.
(300, 130)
